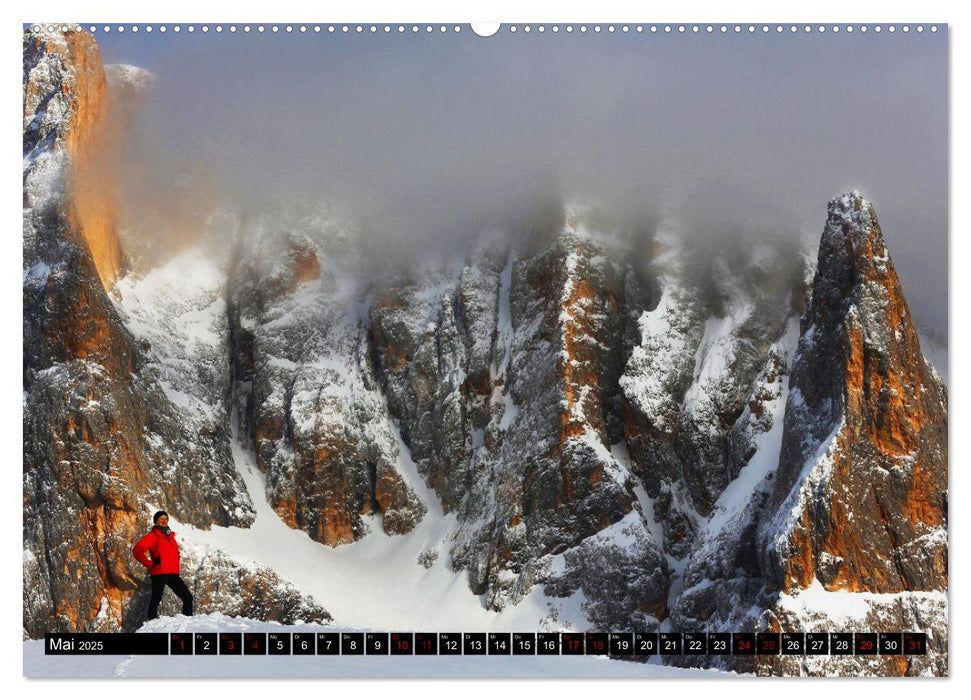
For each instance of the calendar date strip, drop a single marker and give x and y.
(633, 644)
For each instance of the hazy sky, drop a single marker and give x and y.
(435, 135)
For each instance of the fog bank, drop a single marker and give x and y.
(428, 139)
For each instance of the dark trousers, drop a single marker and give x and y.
(175, 582)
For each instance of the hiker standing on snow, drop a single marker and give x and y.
(159, 551)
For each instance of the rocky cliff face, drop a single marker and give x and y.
(104, 441)
(504, 377)
(832, 533)
(860, 502)
(306, 386)
(679, 438)
(862, 492)
(65, 112)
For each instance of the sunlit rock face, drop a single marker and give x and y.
(846, 529)
(862, 488)
(102, 439)
(65, 112)
(860, 503)
(641, 424)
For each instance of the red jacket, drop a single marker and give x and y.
(162, 552)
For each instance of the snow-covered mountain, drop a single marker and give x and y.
(576, 426)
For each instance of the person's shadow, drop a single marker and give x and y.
(137, 610)
(136, 614)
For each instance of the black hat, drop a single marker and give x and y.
(159, 515)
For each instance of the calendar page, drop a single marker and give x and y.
(539, 350)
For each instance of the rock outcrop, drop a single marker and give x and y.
(221, 583)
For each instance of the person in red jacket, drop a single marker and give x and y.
(159, 551)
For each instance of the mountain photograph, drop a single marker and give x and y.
(567, 331)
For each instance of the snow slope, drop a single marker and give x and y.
(377, 582)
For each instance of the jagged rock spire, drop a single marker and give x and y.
(861, 494)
